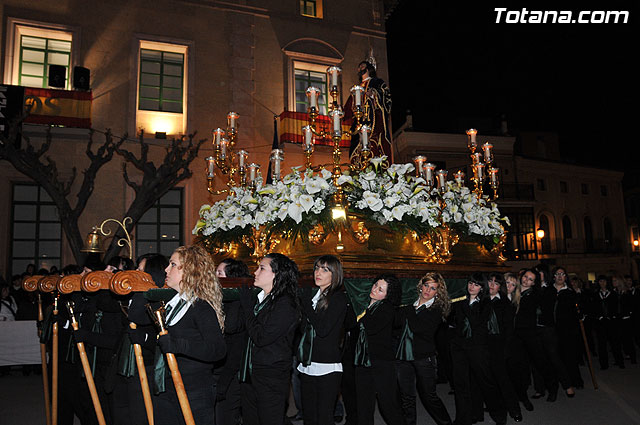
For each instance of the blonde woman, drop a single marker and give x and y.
(417, 364)
(195, 321)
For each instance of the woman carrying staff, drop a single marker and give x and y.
(195, 320)
(417, 359)
(319, 350)
(271, 324)
(375, 373)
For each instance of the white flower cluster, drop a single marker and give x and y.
(463, 207)
(299, 193)
(393, 193)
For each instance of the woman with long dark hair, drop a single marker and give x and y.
(195, 321)
(473, 380)
(319, 349)
(417, 365)
(375, 371)
(271, 323)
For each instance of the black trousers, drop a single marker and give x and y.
(420, 373)
(229, 404)
(319, 395)
(626, 333)
(264, 398)
(571, 347)
(608, 332)
(378, 382)
(166, 407)
(498, 366)
(532, 343)
(550, 344)
(470, 369)
(518, 368)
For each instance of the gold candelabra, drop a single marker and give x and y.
(482, 171)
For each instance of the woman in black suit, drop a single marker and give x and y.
(271, 323)
(319, 350)
(375, 372)
(416, 353)
(472, 377)
(195, 321)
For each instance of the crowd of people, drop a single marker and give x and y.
(511, 338)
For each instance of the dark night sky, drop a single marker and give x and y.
(455, 68)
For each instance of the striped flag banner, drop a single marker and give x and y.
(58, 107)
(291, 124)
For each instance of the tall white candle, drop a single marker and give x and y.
(242, 157)
(312, 94)
(308, 137)
(365, 130)
(232, 118)
(480, 171)
(428, 172)
(356, 92)
(442, 180)
(210, 166)
(486, 148)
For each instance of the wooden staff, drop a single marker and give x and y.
(43, 360)
(175, 373)
(587, 350)
(87, 369)
(54, 365)
(123, 283)
(30, 284)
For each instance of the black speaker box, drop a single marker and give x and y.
(81, 78)
(57, 74)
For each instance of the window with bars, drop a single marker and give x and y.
(521, 239)
(311, 8)
(159, 230)
(35, 230)
(36, 54)
(306, 77)
(161, 85)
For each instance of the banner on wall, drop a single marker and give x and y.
(291, 124)
(46, 106)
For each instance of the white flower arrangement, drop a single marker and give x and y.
(392, 196)
(300, 195)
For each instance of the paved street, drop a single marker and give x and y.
(616, 402)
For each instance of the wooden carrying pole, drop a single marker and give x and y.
(54, 365)
(30, 284)
(123, 283)
(87, 369)
(43, 359)
(587, 350)
(175, 375)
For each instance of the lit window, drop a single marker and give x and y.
(36, 229)
(161, 80)
(306, 75)
(33, 48)
(311, 8)
(162, 87)
(159, 230)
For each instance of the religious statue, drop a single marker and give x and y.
(376, 113)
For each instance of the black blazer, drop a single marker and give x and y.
(477, 315)
(504, 311)
(424, 325)
(272, 332)
(378, 326)
(527, 315)
(328, 324)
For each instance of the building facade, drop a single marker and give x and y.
(166, 68)
(579, 210)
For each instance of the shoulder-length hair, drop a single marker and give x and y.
(441, 299)
(155, 265)
(515, 296)
(337, 277)
(199, 278)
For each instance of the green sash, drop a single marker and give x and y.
(126, 357)
(362, 345)
(305, 348)
(159, 368)
(244, 375)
